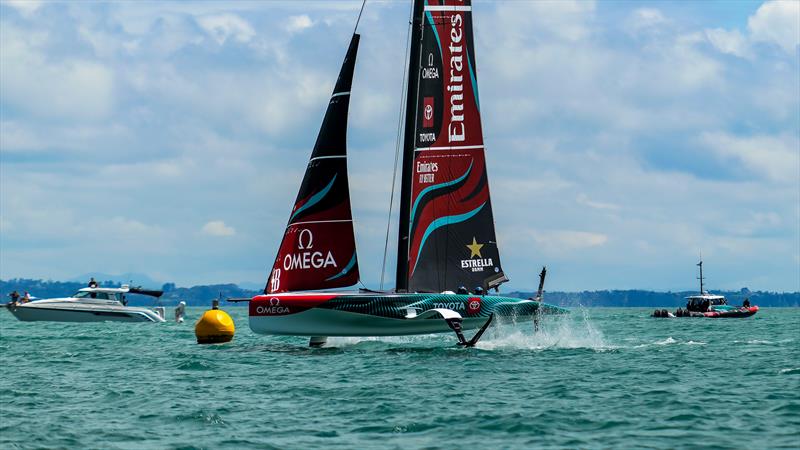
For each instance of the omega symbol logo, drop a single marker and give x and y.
(274, 302)
(428, 112)
(309, 240)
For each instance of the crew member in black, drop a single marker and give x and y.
(14, 296)
(746, 303)
(92, 283)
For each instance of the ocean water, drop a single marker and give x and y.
(600, 378)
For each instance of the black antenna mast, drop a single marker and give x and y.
(701, 277)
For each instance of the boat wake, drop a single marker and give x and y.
(762, 342)
(573, 331)
(669, 341)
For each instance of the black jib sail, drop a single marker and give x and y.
(318, 250)
(451, 238)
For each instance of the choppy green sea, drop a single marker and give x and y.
(600, 378)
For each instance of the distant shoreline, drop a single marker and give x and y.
(203, 294)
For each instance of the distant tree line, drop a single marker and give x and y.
(204, 294)
(640, 298)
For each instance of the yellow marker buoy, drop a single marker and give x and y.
(214, 327)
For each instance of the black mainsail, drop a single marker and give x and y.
(318, 250)
(447, 236)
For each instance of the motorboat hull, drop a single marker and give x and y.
(66, 312)
(730, 313)
(349, 314)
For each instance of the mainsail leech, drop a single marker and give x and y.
(318, 250)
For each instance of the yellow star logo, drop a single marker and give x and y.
(475, 249)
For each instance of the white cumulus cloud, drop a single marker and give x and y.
(51, 87)
(775, 22)
(771, 157)
(25, 7)
(222, 27)
(296, 24)
(732, 42)
(218, 228)
(646, 19)
(778, 22)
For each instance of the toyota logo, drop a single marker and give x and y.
(428, 112)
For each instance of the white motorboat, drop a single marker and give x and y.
(90, 304)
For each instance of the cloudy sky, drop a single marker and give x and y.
(623, 138)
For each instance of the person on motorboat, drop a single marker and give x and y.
(746, 303)
(26, 298)
(93, 283)
(180, 311)
(14, 297)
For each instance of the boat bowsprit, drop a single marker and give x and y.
(446, 244)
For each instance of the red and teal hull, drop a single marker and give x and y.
(371, 314)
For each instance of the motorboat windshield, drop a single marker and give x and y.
(117, 296)
(701, 303)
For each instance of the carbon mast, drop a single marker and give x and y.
(409, 141)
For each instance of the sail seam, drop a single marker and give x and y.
(447, 8)
(327, 157)
(319, 221)
(452, 147)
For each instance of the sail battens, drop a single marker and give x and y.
(318, 221)
(448, 8)
(451, 236)
(318, 250)
(327, 157)
(451, 147)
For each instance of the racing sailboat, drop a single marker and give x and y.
(447, 253)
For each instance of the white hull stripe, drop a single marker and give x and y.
(319, 221)
(452, 147)
(338, 94)
(447, 8)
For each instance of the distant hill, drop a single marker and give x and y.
(124, 278)
(202, 295)
(639, 298)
